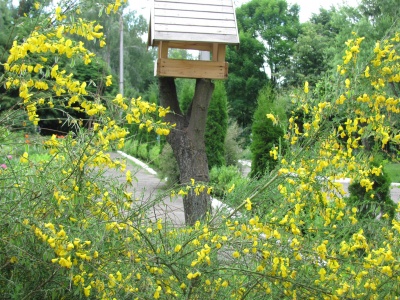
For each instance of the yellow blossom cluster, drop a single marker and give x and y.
(196, 188)
(310, 187)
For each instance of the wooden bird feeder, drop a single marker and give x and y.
(205, 25)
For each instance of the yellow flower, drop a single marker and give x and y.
(366, 72)
(306, 87)
(157, 293)
(182, 193)
(387, 270)
(322, 273)
(193, 275)
(272, 118)
(24, 158)
(178, 248)
(236, 254)
(248, 204)
(86, 290)
(347, 82)
(128, 176)
(65, 262)
(341, 99)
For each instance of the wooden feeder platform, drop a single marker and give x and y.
(204, 25)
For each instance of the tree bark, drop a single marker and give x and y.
(188, 143)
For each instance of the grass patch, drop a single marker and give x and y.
(393, 170)
(40, 157)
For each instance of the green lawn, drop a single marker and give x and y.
(393, 170)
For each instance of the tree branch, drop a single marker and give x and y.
(169, 98)
(199, 108)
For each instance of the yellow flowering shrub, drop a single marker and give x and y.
(69, 232)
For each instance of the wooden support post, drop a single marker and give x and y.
(163, 50)
(221, 52)
(215, 52)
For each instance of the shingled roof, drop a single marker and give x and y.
(208, 21)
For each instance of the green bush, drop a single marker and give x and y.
(131, 147)
(134, 148)
(168, 167)
(265, 134)
(233, 150)
(143, 152)
(376, 200)
(216, 127)
(223, 178)
(154, 155)
(393, 171)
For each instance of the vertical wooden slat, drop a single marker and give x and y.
(221, 52)
(163, 50)
(215, 52)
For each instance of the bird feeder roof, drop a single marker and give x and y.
(198, 21)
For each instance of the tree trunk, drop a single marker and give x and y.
(188, 143)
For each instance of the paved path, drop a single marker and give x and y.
(150, 189)
(147, 187)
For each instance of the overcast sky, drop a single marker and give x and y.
(307, 7)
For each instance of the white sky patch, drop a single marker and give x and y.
(307, 7)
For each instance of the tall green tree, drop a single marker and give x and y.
(383, 15)
(217, 126)
(6, 21)
(314, 49)
(265, 133)
(277, 24)
(268, 31)
(246, 77)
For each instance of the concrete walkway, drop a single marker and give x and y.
(150, 190)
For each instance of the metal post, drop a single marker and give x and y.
(121, 55)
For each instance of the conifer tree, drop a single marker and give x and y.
(265, 134)
(217, 125)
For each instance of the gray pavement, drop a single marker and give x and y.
(151, 192)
